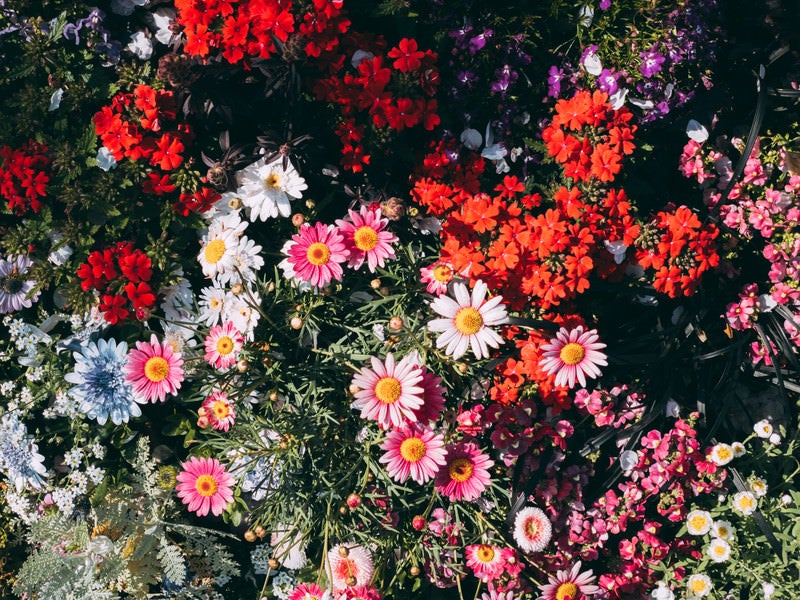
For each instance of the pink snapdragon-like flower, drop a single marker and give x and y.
(316, 254)
(205, 485)
(154, 371)
(223, 344)
(572, 355)
(366, 238)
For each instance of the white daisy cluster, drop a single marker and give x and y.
(266, 187)
(20, 460)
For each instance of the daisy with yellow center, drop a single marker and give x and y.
(316, 254)
(723, 530)
(486, 561)
(154, 370)
(266, 188)
(465, 472)
(573, 355)
(367, 239)
(758, 486)
(699, 585)
(413, 452)
(218, 253)
(220, 411)
(205, 486)
(436, 277)
(721, 454)
(699, 522)
(466, 321)
(389, 392)
(718, 550)
(223, 345)
(569, 584)
(745, 503)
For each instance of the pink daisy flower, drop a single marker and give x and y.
(389, 393)
(466, 321)
(308, 591)
(362, 592)
(349, 565)
(219, 411)
(532, 529)
(366, 238)
(223, 344)
(569, 584)
(204, 485)
(573, 355)
(437, 276)
(486, 561)
(465, 473)
(154, 371)
(317, 253)
(413, 452)
(432, 398)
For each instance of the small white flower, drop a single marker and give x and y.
(699, 522)
(662, 592)
(723, 530)
(775, 439)
(105, 160)
(721, 454)
(592, 64)
(738, 449)
(758, 486)
(786, 499)
(719, 550)
(628, 460)
(768, 589)
(745, 503)
(55, 100)
(141, 45)
(763, 429)
(699, 585)
(696, 131)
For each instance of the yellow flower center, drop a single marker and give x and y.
(724, 453)
(719, 550)
(412, 449)
(388, 390)
(156, 369)
(206, 485)
(698, 523)
(318, 254)
(273, 181)
(365, 238)
(224, 345)
(460, 469)
(220, 410)
(697, 585)
(746, 503)
(442, 273)
(468, 320)
(215, 250)
(567, 591)
(485, 553)
(572, 353)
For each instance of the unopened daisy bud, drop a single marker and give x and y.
(296, 323)
(418, 523)
(351, 581)
(260, 531)
(203, 422)
(273, 396)
(353, 389)
(235, 203)
(298, 219)
(237, 288)
(375, 284)
(242, 365)
(462, 368)
(202, 412)
(343, 551)
(786, 499)
(396, 323)
(250, 535)
(273, 564)
(353, 500)
(310, 203)
(343, 510)
(414, 571)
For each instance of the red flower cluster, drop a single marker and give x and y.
(588, 138)
(376, 95)
(679, 248)
(246, 28)
(24, 175)
(120, 274)
(323, 26)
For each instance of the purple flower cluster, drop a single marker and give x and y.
(92, 26)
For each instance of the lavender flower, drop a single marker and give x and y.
(16, 290)
(607, 81)
(651, 62)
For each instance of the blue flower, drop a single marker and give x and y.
(19, 455)
(100, 385)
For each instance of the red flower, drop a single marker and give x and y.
(113, 308)
(136, 266)
(167, 155)
(407, 56)
(157, 184)
(140, 295)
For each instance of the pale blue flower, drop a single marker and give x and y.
(105, 160)
(19, 455)
(100, 385)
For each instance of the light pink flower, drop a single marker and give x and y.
(486, 561)
(366, 238)
(465, 473)
(204, 485)
(389, 393)
(154, 371)
(317, 253)
(349, 565)
(437, 276)
(413, 452)
(532, 529)
(572, 584)
(223, 344)
(572, 355)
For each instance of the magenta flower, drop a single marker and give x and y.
(389, 393)
(219, 410)
(413, 452)
(154, 371)
(366, 238)
(465, 473)
(572, 355)
(317, 253)
(205, 485)
(223, 344)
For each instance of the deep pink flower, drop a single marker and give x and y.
(366, 238)
(219, 410)
(465, 473)
(485, 560)
(389, 393)
(413, 452)
(317, 254)
(223, 344)
(154, 371)
(205, 485)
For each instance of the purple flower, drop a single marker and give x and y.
(651, 62)
(605, 4)
(505, 79)
(554, 77)
(607, 81)
(479, 41)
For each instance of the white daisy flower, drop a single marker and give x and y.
(718, 550)
(248, 261)
(265, 188)
(699, 585)
(758, 486)
(738, 449)
(745, 503)
(763, 429)
(466, 321)
(218, 255)
(722, 454)
(699, 522)
(212, 304)
(723, 530)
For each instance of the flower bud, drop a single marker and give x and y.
(296, 323)
(250, 535)
(354, 500)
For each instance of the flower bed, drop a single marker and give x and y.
(339, 300)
